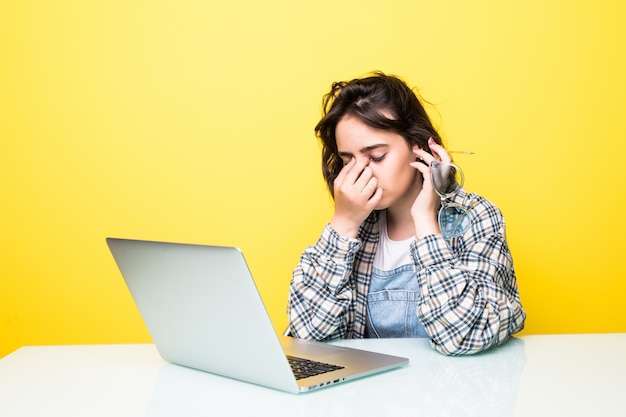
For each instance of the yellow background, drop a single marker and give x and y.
(192, 121)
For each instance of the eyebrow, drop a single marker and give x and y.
(364, 150)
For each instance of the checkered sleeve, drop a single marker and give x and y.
(321, 297)
(469, 300)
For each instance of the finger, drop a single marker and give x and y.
(347, 167)
(370, 187)
(360, 173)
(364, 179)
(422, 168)
(425, 171)
(439, 151)
(375, 199)
(423, 155)
(341, 177)
(360, 166)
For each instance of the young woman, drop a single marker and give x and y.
(382, 267)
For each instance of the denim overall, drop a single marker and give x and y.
(392, 304)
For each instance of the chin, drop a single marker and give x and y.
(383, 205)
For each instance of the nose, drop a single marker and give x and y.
(368, 166)
(363, 159)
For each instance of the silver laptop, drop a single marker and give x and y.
(203, 311)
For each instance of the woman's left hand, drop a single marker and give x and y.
(424, 209)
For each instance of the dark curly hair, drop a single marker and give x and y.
(379, 100)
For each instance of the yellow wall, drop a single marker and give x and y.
(192, 121)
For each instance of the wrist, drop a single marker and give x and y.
(345, 228)
(426, 225)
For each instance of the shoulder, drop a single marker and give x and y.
(484, 214)
(475, 202)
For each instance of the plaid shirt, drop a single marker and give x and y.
(468, 299)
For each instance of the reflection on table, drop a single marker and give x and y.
(528, 376)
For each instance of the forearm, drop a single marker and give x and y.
(468, 303)
(320, 295)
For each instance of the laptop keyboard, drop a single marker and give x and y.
(304, 368)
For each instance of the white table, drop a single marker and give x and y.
(551, 375)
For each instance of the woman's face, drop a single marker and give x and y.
(389, 155)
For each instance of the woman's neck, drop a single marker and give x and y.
(400, 224)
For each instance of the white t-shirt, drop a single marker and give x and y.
(391, 254)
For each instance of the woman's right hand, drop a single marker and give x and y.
(356, 195)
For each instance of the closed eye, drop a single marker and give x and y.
(378, 158)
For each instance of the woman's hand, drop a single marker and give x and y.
(356, 194)
(424, 209)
